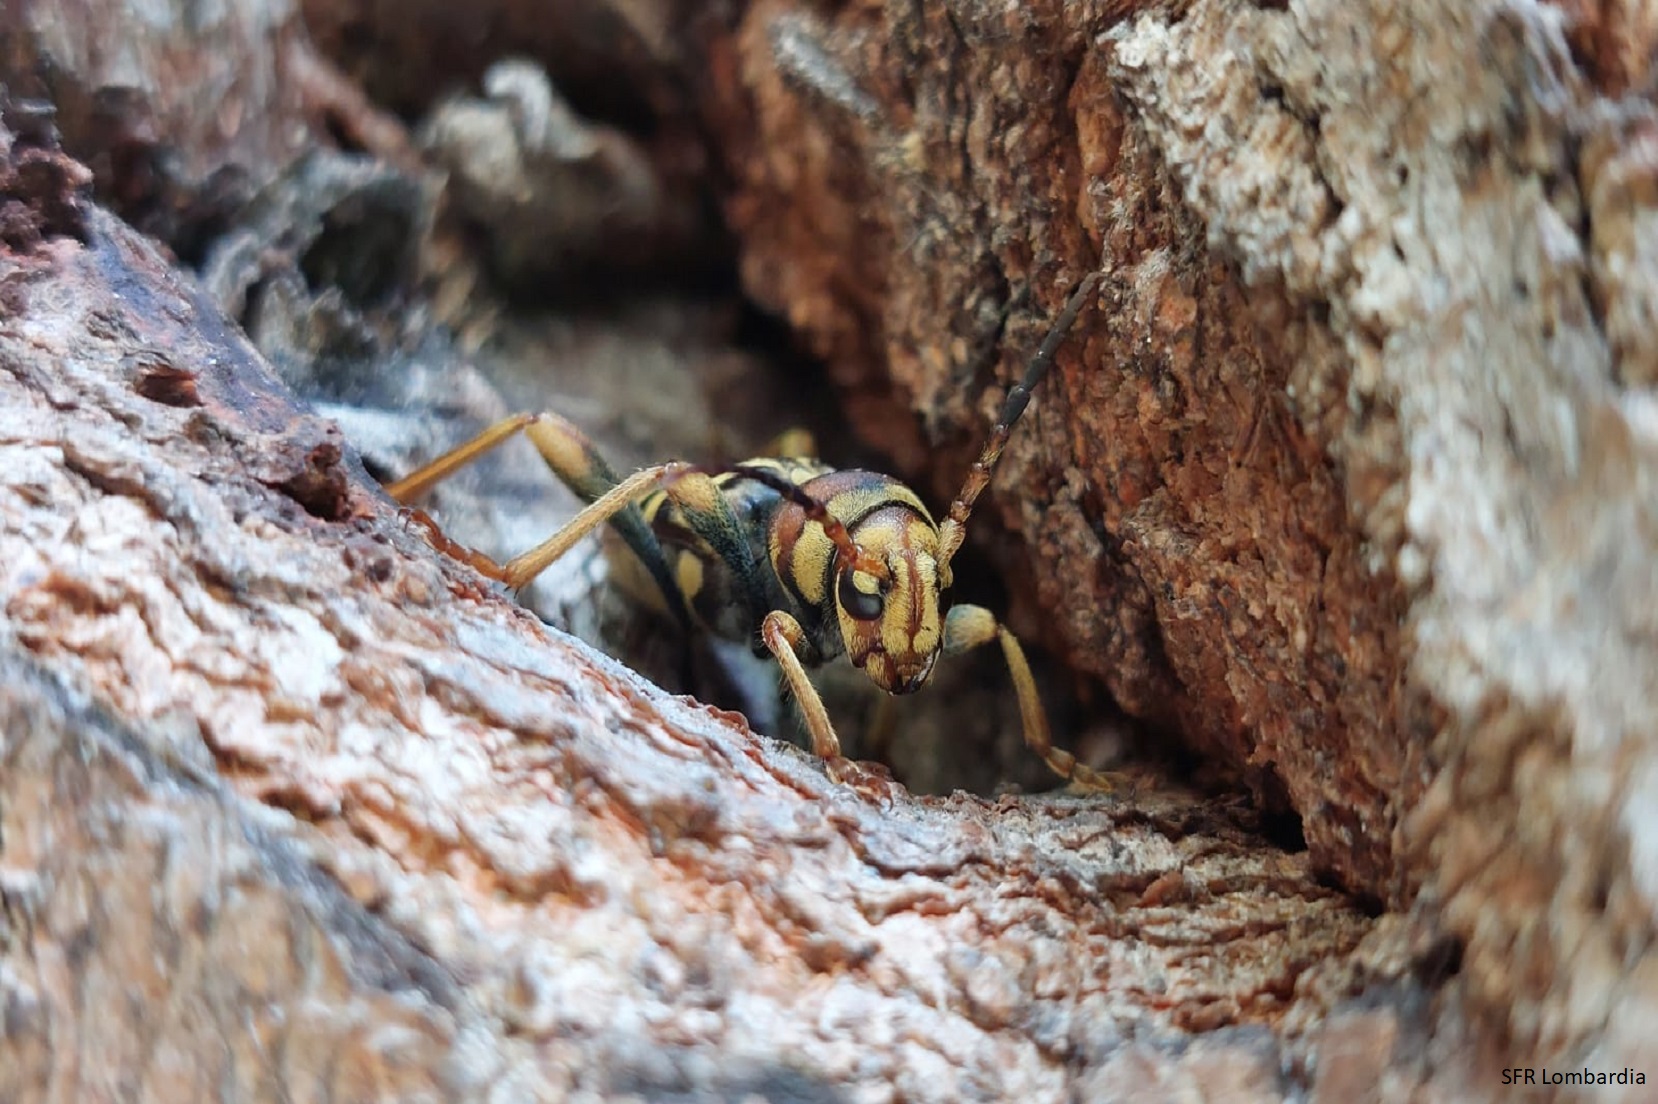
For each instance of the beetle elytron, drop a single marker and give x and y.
(790, 555)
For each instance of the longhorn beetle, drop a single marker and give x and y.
(795, 557)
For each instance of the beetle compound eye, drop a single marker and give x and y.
(858, 605)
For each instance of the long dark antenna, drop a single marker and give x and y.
(953, 530)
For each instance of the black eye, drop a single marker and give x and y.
(858, 605)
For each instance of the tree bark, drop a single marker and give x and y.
(1347, 483)
(1354, 482)
(343, 822)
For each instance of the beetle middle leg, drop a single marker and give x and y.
(573, 458)
(577, 463)
(791, 443)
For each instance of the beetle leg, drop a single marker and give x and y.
(573, 459)
(521, 569)
(702, 508)
(423, 479)
(967, 627)
(579, 466)
(792, 444)
(783, 635)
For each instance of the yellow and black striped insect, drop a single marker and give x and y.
(795, 557)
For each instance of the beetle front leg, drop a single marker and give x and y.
(783, 636)
(967, 627)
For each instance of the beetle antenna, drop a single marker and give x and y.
(953, 530)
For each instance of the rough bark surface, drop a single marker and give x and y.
(1350, 482)
(345, 824)
(1194, 545)
(1354, 481)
